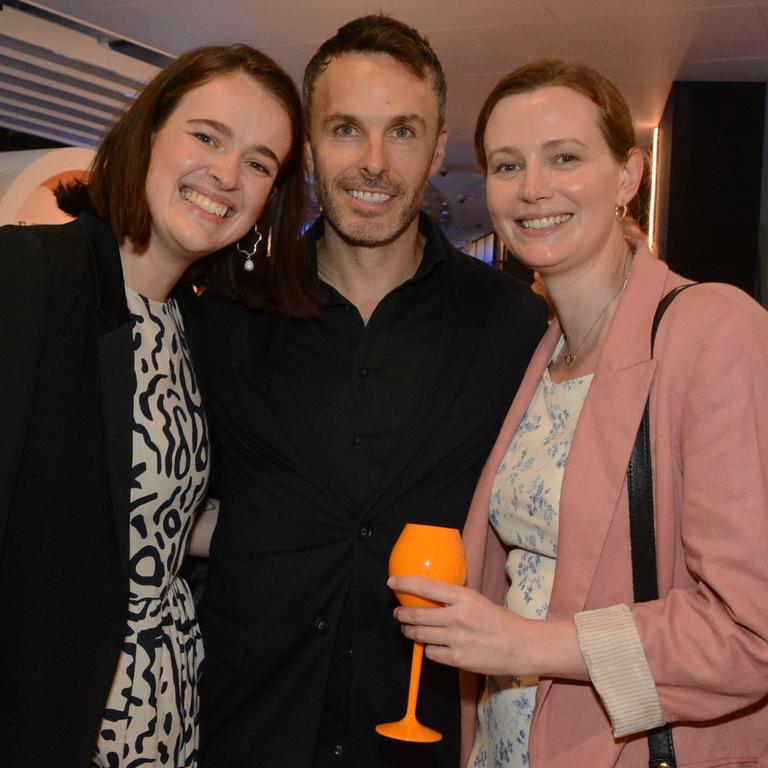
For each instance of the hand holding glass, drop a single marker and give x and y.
(436, 553)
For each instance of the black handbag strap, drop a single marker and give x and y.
(642, 535)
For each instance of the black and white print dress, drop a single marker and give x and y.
(152, 711)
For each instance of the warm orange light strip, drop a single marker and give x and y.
(654, 181)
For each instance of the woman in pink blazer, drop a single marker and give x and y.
(575, 672)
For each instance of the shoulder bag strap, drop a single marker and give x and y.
(642, 534)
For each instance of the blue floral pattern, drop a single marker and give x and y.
(524, 510)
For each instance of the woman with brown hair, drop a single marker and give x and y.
(578, 672)
(104, 452)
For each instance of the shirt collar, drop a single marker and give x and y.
(435, 253)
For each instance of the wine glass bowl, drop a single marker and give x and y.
(430, 551)
(435, 553)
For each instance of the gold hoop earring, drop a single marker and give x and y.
(620, 211)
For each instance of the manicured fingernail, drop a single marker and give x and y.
(390, 581)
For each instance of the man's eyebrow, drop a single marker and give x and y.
(261, 149)
(411, 118)
(341, 117)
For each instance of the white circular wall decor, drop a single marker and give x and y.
(28, 178)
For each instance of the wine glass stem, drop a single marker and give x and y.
(413, 685)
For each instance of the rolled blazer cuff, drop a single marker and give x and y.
(611, 648)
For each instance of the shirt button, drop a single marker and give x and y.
(350, 653)
(355, 439)
(364, 533)
(321, 626)
(364, 372)
(338, 749)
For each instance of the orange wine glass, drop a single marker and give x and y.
(437, 553)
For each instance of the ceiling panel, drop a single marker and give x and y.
(431, 15)
(726, 70)
(60, 83)
(265, 23)
(586, 8)
(623, 48)
(764, 12)
(721, 32)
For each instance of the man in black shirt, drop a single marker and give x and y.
(333, 433)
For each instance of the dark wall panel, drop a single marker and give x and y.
(713, 206)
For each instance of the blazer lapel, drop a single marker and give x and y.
(118, 380)
(595, 474)
(597, 462)
(593, 481)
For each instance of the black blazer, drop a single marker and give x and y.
(66, 392)
(290, 546)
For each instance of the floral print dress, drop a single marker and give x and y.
(524, 510)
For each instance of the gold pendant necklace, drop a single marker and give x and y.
(570, 357)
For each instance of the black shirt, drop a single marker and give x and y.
(331, 435)
(367, 377)
(371, 379)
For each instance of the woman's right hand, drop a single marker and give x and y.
(470, 632)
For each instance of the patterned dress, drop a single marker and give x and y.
(524, 510)
(151, 714)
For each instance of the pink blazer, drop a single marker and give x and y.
(706, 639)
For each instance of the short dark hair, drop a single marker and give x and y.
(616, 123)
(116, 188)
(379, 33)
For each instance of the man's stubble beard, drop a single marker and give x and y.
(362, 236)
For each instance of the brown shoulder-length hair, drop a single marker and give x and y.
(379, 33)
(116, 188)
(616, 122)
